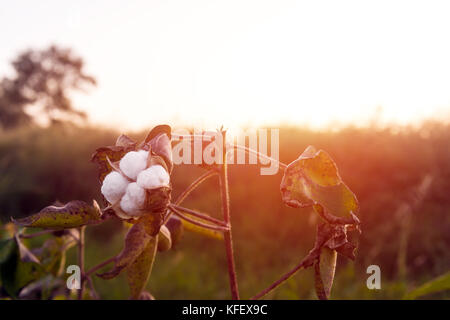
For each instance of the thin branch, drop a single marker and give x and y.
(81, 246)
(225, 196)
(91, 286)
(200, 224)
(261, 155)
(189, 189)
(186, 137)
(194, 185)
(279, 281)
(36, 234)
(99, 266)
(200, 215)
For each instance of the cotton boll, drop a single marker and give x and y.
(133, 163)
(154, 177)
(114, 187)
(129, 206)
(136, 194)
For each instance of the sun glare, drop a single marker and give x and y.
(315, 63)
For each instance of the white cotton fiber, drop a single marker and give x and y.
(154, 177)
(133, 163)
(129, 206)
(136, 194)
(114, 187)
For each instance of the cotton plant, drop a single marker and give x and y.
(135, 183)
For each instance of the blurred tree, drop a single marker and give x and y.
(43, 79)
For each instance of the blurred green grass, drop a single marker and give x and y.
(382, 166)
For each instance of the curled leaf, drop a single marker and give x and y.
(175, 226)
(313, 179)
(125, 142)
(158, 141)
(74, 214)
(136, 240)
(104, 156)
(324, 270)
(139, 271)
(165, 240)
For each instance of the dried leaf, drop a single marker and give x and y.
(136, 240)
(74, 214)
(324, 272)
(313, 179)
(158, 199)
(125, 142)
(101, 156)
(175, 226)
(139, 271)
(158, 141)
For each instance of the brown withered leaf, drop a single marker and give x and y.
(136, 241)
(330, 240)
(139, 271)
(324, 272)
(313, 179)
(101, 156)
(158, 141)
(126, 142)
(176, 229)
(158, 199)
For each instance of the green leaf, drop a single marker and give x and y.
(203, 231)
(53, 252)
(313, 179)
(139, 271)
(73, 214)
(324, 272)
(6, 248)
(438, 284)
(16, 271)
(165, 240)
(136, 240)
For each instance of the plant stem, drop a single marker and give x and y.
(81, 261)
(279, 281)
(200, 215)
(194, 185)
(198, 223)
(225, 196)
(189, 189)
(99, 266)
(261, 155)
(36, 234)
(91, 285)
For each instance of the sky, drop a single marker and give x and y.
(205, 63)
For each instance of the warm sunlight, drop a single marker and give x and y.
(205, 150)
(315, 63)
